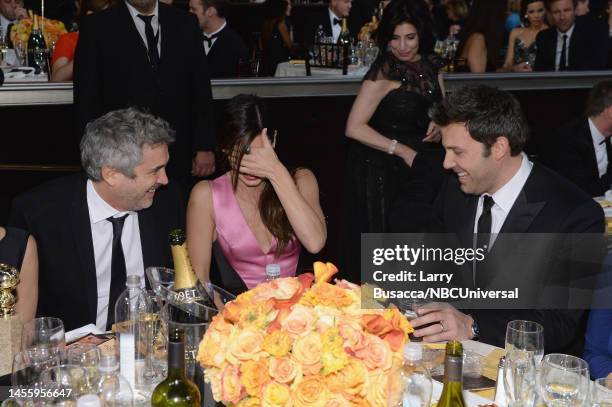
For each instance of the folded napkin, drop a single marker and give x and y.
(78, 333)
(17, 72)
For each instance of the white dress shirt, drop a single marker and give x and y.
(336, 28)
(140, 25)
(504, 199)
(600, 148)
(206, 47)
(4, 23)
(560, 46)
(102, 236)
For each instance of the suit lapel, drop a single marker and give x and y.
(80, 224)
(134, 41)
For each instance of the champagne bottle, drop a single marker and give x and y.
(176, 390)
(37, 48)
(191, 301)
(345, 36)
(452, 392)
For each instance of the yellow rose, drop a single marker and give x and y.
(299, 322)
(209, 352)
(351, 380)
(307, 353)
(333, 360)
(246, 345)
(231, 389)
(254, 376)
(376, 353)
(249, 402)
(378, 384)
(275, 395)
(336, 400)
(311, 392)
(283, 370)
(277, 343)
(257, 315)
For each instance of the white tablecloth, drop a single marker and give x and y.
(288, 69)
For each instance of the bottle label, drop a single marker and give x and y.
(187, 296)
(453, 369)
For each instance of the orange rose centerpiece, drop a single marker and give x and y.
(302, 341)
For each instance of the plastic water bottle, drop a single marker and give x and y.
(415, 380)
(272, 271)
(113, 389)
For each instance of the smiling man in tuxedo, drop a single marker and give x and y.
(149, 55)
(94, 229)
(224, 47)
(494, 189)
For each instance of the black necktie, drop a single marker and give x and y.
(484, 222)
(563, 60)
(337, 21)
(210, 39)
(151, 41)
(609, 155)
(118, 272)
(8, 35)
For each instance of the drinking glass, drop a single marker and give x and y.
(601, 394)
(21, 52)
(153, 334)
(87, 356)
(66, 383)
(520, 378)
(26, 376)
(526, 336)
(564, 380)
(44, 332)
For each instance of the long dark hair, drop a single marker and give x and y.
(244, 117)
(486, 17)
(414, 12)
(524, 4)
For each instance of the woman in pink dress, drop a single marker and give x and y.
(258, 212)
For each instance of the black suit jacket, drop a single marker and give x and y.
(322, 19)
(57, 215)
(547, 204)
(588, 48)
(575, 158)
(227, 50)
(112, 71)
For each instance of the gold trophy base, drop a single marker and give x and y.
(10, 338)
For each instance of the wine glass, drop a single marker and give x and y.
(44, 332)
(65, 384)
(526, 336)
(601, 395)
(26, 375)
(21, 52)
(520, 378)
(564, 380)
(86, 355)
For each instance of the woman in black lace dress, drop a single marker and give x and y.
(18, 249)
(390, 130)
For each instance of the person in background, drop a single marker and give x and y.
(330, 21)
(62, 60)
(482, 38)
(223, 46)
(276, 35)
(256, 213)
(583, 153)
(582, 8)
(598, 343)
(389, 129)
(573, 43)
(457, 12)
(513, 19)
(521, 45)
(11, 11)
(18, 249)
(94, 228)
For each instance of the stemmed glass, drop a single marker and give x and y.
(88, 357)
(64, 384)
(564, 380)
(526, 336)
(26, 376)
(44, 332)
(601, 395)
(520, 378)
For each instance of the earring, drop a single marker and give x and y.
(526, 16)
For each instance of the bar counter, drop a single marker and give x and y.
(34, 94)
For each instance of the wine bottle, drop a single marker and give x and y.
(176, 390)
(452, 392)
(37, 48)
(191, 301)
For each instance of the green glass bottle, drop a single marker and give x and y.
(452, 392)
(176, 390)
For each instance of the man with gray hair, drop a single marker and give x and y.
(95, 228)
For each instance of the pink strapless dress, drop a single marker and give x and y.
(238, 243)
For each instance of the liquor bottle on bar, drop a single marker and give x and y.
(176, 390)
(192, 302)
(452, 392)
(345, 36)
(37, 48)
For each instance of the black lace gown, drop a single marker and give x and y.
(381, 185)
